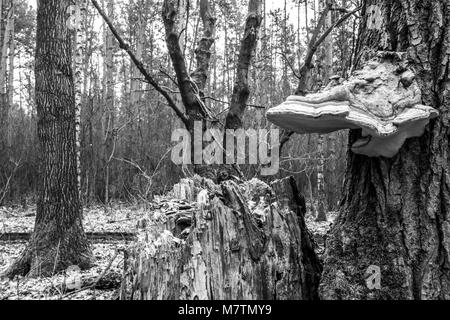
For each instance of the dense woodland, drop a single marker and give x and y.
(92, 91)
(124, 146)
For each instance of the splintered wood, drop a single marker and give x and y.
(245, 241)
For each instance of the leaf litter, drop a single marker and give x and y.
(109, 261)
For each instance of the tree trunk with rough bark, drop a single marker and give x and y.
(241, 91)
(58, 240)
(233, 251)
(395, 214)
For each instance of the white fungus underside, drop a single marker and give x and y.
(386, 135)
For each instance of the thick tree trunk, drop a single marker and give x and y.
(395, 213)
(58, 240)
(232, 251)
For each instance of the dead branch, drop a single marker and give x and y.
(97, 280)
(228, 103)
(305, 70)
(124, 46)
(8, 181)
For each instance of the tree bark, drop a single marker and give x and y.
(79, 50)
(321, 201)
(196, 109)
(12, 52)
(135, 85)
(395, 212)
(110, 114)
(241, 91)
(58, 240)
(6, 26)
(232, 252)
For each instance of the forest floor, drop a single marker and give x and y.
(108, 269)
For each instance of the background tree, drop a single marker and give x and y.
(58, 240)
(141, 145)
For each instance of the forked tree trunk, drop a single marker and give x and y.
(58, 240)
(395, 214)
(232, 252)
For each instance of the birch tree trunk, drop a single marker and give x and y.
(328, 47)
(327, 71)
(12, 52)
(6, 27)
(321, 205)
(140, 39)
(395, 214)
(78, 54)
(109, 103)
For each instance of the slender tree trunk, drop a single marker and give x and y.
(328, 48)
(58, 240)
(327, 51)
(135, 81)
(6, 26)
(12, 52)
(5, 34)
(79, 50)
(1, 22)
(109, 103)
(10, 88)
(321, 197)
(395, 214)
(241, 91)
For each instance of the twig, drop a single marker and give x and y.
(228, 103)
(8, 181)
(283, 55)
(93, 285)
(328, 31)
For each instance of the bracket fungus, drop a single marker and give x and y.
(383, 99)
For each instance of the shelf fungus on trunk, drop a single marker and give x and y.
(383, 99)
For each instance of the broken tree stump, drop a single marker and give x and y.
(245, 242)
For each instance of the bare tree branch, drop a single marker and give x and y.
(304, 74)
(124, 46)
(334, 26)
(189, 90)
(249, 42)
